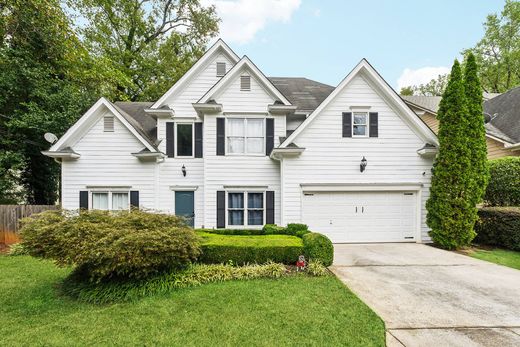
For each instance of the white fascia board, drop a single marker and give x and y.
(427, 152)
(245, 62)
(83, 122)
(219, 45)
(160, 113)
(364, 66)
(361, 187)
(61, 155)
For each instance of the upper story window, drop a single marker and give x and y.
(221, 69)
(184, 145)
(245, 136)
(114, 201)
(245, 82)
(108, 124)
(360, 124)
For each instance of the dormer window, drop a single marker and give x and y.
(108, 124)
(245, 83)
(221, 69)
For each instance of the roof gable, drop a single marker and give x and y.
(219, 46)
(244, 63)
(89, 118)
(365, 69)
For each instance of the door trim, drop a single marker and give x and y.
(184, 188)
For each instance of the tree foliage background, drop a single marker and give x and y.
(58, 57)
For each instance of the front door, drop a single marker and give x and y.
(184, 206)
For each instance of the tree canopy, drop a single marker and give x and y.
(147, 44)
(498, 52)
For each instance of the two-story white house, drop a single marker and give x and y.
(234, 149)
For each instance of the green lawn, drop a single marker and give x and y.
(293, 311)
(498, 256)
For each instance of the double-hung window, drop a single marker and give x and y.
(184, 139)
(245, 136)
(114, 201)
(360, 124)
(245, 209)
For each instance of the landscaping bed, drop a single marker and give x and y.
(290, 311)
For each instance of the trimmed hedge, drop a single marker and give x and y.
(499, 226)
(243, 249)
(294, 229)
(318, 247)
(504, 184)
(244, 232)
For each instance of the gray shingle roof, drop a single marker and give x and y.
(303, 93)
(505, 112)
(143, 122)
(428, 102)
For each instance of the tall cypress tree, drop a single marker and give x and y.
(451, 211)
(476, 131)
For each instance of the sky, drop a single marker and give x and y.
(408, 41)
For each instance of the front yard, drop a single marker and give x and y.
(498, 256)
(297, 310)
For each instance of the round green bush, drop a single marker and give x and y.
(504, 184)
(318, 247)
(103, 245)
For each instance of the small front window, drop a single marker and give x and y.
(100, 201)
(246, 209)
(359, 125)
(113, 201)
(119, 201)
(184, 140)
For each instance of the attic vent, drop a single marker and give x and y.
(108, 124)
(221, 69)
(245, 82)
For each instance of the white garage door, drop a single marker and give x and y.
(362, 216)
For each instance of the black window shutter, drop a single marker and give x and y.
(269, 207)
(170, 140)
(373, 122)
(134, 199)
(221, 209)
(83, 199)
(198, 140)
(347, 124)
(269, 135)
(221, 136)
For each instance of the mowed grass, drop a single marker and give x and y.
(250, 240)
(293, 311)
(497, 256)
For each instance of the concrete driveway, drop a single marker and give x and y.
(431, 297)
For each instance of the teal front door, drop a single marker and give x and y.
(184, 206)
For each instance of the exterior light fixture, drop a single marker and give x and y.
(363, 164)
(183, 169)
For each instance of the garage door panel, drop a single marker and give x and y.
(361, 216)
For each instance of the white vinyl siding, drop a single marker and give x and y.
(330, 158)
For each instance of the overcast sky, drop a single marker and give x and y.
(407, 41)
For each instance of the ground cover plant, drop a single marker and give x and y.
(289, 311)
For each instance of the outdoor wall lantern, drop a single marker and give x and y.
(363, 164)
(183, 169)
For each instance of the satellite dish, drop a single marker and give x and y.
(50, 138)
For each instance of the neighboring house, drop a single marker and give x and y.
(234, 149)
(503, 111)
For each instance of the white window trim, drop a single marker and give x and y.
(245, 118)
(176, 138)
(109, 192)
(367, 121)
(245, 209)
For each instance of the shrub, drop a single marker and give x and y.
(316, 268)
(318, 247)
(273, 229)
(249, 249)
(499, 226)
(504, 185)
(193, 275)
(17, 249)
(106, 245)
(233, 231)
(297, 229)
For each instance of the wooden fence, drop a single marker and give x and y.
(10, 216)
